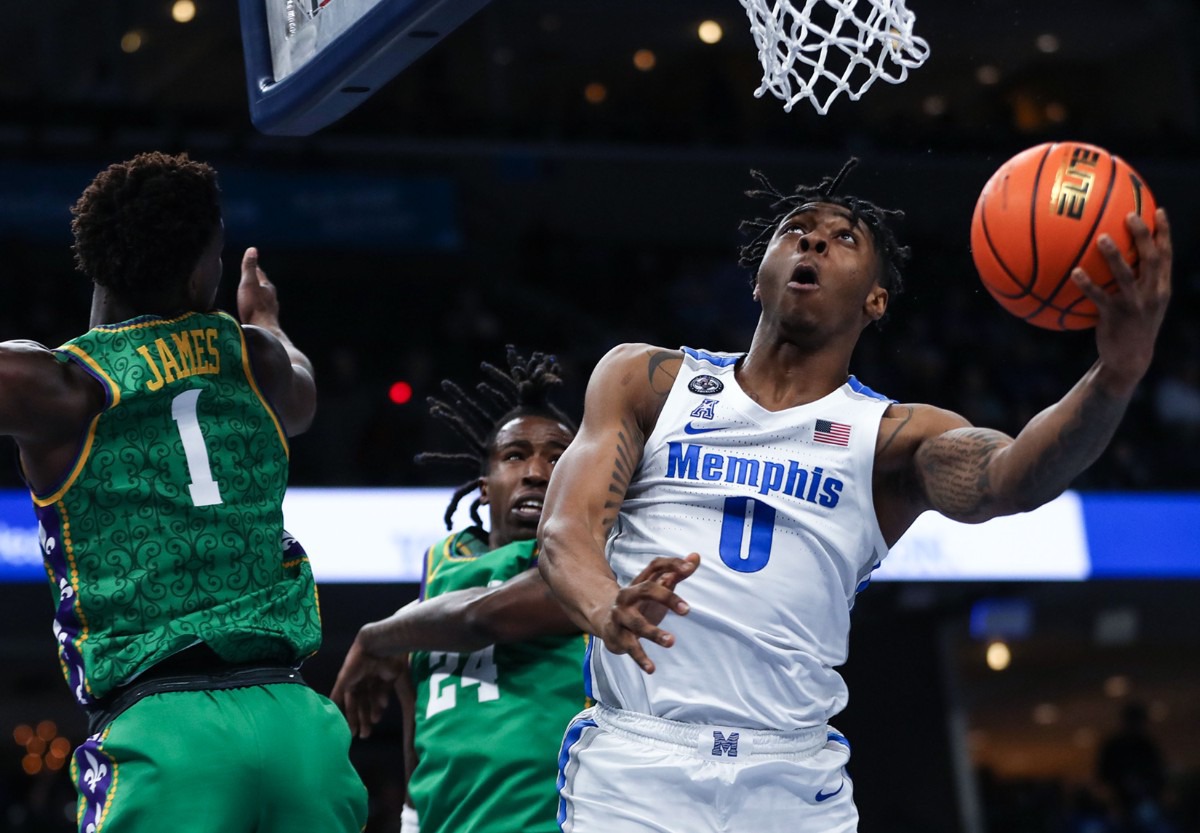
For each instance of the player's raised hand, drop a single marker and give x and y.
(640, 607)
(257, 300)
(1131, 317)
(364, 686)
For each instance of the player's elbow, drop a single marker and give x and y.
(1030, 501)
(549, 538)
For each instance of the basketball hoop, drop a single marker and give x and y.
(824, 48)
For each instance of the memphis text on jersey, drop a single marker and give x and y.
(691, 462)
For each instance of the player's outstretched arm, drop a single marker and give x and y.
(281, 368)
(973, 474)
(40, 396)
(460, 621)
(624, 396)
(45, 405)
(466, 620)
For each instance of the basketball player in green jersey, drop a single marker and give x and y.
(495, 662)
(155, 446)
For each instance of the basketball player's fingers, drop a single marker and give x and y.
(1162, 245)
(662, 566)
(634, 649)
(349, 707)
(1097, 295)
(659, 596)
(1121, 271)
(1149, 255)
(1162, 229)
(666, 573)
(252, 272)
(378, 701)
(678, 570)
(640, 624)
(682, 567)
(349, 674)
(657, 609)
(351, 722)
(364, 725)
(368, 712)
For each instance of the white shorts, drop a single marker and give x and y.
(410, 822)
(624, 772)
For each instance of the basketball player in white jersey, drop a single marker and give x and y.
(771, 483)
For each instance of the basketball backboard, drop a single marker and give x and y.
(310, 62)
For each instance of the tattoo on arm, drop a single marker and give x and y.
(629, 439)
(1077, 446)
(954, 470)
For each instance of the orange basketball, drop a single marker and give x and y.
(1038, 218)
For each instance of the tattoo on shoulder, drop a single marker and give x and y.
(902, 418)
(662, 376)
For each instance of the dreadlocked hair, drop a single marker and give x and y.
(141, 225)
(477, 417)
(892, 255)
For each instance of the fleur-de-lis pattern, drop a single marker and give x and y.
(140, 571)
(95, 775)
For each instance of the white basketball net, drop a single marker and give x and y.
(819, 49)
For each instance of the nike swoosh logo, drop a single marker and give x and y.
(691, 429)
(822, 796)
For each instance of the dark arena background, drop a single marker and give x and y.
(566, 176)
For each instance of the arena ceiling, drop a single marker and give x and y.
(1104, 70)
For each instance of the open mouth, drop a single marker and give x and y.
(528, 507)
(804, 275)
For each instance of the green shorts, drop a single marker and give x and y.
(259, 759)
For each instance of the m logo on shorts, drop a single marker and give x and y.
(723, 745)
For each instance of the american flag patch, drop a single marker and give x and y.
(834, 433)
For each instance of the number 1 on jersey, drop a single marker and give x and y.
(204, 490)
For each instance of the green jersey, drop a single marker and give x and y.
(168, 530)
(489, 724)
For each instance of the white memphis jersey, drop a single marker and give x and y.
(779, 506)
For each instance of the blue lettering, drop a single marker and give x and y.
(811, 497)
(690, 462)
(831, 493)
(772, 478)
(725, 746)
(796, 478)
(742, 471)
(680, 463)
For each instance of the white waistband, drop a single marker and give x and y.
(710, 741)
